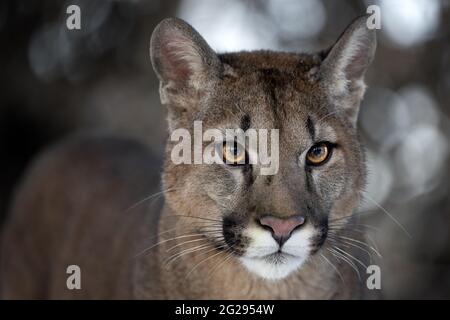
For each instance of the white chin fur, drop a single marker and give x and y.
(271, 270)
(259, 258)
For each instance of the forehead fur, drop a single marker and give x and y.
(289, 65)
(273, 88)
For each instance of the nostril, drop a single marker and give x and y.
(282, 228)
(298, 221)
(264, 223)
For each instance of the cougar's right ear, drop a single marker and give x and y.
(185, 65)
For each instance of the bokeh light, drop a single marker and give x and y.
(410, 22)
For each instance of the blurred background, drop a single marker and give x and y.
(55, 81)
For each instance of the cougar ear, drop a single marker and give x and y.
(343, 68)
(184, 63)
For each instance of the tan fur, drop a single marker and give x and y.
(71, 206)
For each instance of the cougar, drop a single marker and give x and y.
(224, 231)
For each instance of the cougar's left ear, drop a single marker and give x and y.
(185, 64)
(343, 68)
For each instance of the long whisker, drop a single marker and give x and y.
(211, 250)
(157, 194)
(209, 225)
(347, 260)
(351, 256)
(349, 244)
(373, 242)
(230, 254)
(218, 231)
(194, 217)
(190, 241)
(202, 226)
(334, 267)
(354, 215)
(167, 240)
(177, 255)
(354, 226)
(353, 229)
(361, 243)
(211, 230)
(388, 214)
(161, 233)
(201, 262)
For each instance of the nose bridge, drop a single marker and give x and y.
(282, 194)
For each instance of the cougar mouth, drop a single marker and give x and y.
(278, 257)
(265, 257)
(275, 266)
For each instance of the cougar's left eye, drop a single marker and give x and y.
(233, 153)
(319, 153)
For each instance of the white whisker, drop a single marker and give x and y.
(389, 215)
(334, 267)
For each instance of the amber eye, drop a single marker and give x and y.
(233, 153)
(319, 153)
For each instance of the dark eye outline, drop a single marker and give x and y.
(330, 148)
(236, 164)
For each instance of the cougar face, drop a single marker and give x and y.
(270, 223)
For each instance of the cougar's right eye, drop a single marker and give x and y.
(233, 153)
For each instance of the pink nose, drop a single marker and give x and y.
(282, 228)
